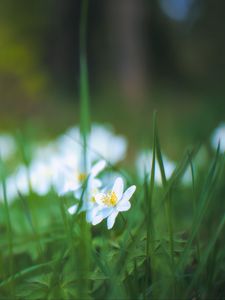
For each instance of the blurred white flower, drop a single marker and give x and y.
(57, 164)
(16, 182)
(105, 143)
(198, 163)
(7, 146)
(43, 175)
(144, 165)
(110, 203)
(74, 181)
(45, 151)
(102, 144)
(62, 158)
(21, 180)
(1, 193)
(69, 147)
(11, 188)
(219, 136)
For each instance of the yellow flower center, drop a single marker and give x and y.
(82, 177)
(110, 199)
(93, 199)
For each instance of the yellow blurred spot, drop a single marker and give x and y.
(82, 177)
(110, 199)
(93, 199)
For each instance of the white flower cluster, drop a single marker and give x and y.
(53, 162)
(57, 165)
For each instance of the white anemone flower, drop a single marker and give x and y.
(1, 193)
(103, 144)
(16, 182)
(11, 190)
(110, 203)
(7, 146)
(219, 136)
(43, 175)
(69, 147)
(74, 181)
(21, 180)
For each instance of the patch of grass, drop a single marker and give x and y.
(153, 251)
(170, 245)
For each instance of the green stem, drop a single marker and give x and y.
(194, 204)
(85, 238)
(168, 210)
(150, 245)
(84, 86)
(8, 220)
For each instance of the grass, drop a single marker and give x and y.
(170, 245)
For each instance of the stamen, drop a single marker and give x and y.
(82, 177)
(110, 199)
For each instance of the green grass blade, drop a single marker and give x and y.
(205, 256)
(29, 218)
(8, 219)
(85, 241)
(194, 205)
(84, 87)
(206, 194)
(168, 206)
(149, 189)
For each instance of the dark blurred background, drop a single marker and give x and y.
(142, 55)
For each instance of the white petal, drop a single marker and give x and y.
(91, 212)
(118, 188)
(43, 188)
(68, 186)
(96, 220)
(89, 216)
(98, 167)
(78, 193)
(95, 184)
(99, 198)
(123, 205)
(128, 193)
(111, 219)
(73, 209)
(105, 212)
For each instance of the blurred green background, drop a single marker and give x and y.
(142, 55)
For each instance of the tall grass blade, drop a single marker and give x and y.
(84, 86)
(168, 206)
(194, 205)
(207, 191)
(8, 219)
(85, 239)
(205, 256)
(149, 189)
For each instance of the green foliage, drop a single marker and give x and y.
(44, 252)
(170, 245)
